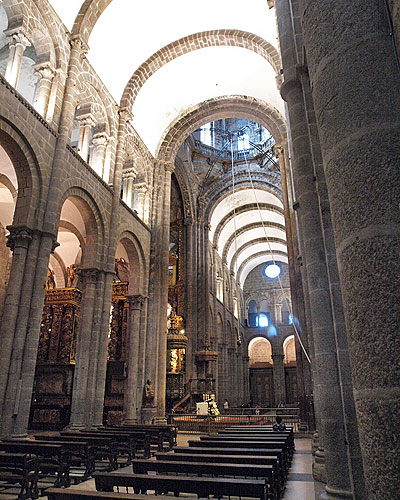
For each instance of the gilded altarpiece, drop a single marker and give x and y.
(52, 391)
(116, 364)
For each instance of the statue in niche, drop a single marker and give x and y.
(72, 276)
(121, 268)
(50, 280)
(148, 394)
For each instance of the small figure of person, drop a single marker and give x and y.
(72, 277)
(258, 408)
(50, 280)
(279, 425)
(148, 396)
(226, 406)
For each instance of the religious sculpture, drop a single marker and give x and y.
(121, 268)
(50, 280)
(148, 394)
(72, 276)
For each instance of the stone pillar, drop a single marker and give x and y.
(86, 122)
(135, 334)
(18, 44)
(18, 394)
(332, 435)
(19, 240)
(139, 200)
(191, 297)
(80, 404)
(97, 160)
(279, 379)
(41, 101)
(128, 176)
(357, 110)
(162, 334)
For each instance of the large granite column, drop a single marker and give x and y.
(135, 333)
(80, 406)
(19, 240)
(332, 435)
(356, 96)
(191, 296)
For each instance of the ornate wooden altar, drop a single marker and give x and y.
(52, 391)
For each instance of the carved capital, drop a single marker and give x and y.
(141, 187)
(125, 114)
(86, 120)
(18, 237)
(44, 71)
(89, 275)
(18, 38)
(100, 139)
(78, 44)
(136, 301)
(129, 173)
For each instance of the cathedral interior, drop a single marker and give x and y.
(203, 199)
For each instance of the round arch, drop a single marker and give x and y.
(245, 107)
(137, 263)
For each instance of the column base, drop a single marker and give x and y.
(160, 420)
(315, 442)
(148, 414)
(130, 421)
(332, 494)
(318, 468)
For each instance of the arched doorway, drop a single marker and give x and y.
(261, 372)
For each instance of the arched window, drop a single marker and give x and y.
(263, 320)
(243, 142)
(206, 134)
(286, 316)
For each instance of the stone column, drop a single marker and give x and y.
(332, 435)
(191, 297)
(80, 403)
(97, 160)
(19, 240)
(135, 334)
(18, 44)
(41, 101)
(129, 176)
(26, 336)
(357, 109)
(139, 200)
(162, 333)
(86, 122)
(279, 379)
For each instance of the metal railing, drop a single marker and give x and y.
(193, 423)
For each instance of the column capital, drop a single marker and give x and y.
(125, 114)
(86, 120)
(129, 173)
(17, 38)
(19, 237)
(141, 187)
(89, 274)
(100, 139)
(167, 165)
(45, 71)
(136, 301)
(78, 44)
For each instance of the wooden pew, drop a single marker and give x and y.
(162, 439)
(83, 456)
(19, 471)
(286, 438)
(202, 486)
(166, 429)
(279, 452)
(64, 494)
(54, 461)
(123, 443)
(220, 458)
(215, 469)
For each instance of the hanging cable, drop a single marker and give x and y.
(274, 262)
(239, 339)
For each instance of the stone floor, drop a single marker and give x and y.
(299, 486)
